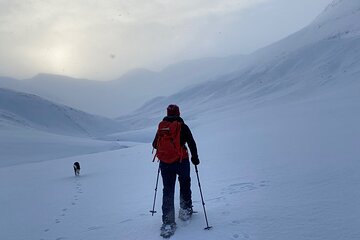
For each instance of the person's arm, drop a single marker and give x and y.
(154, 143)
(189, 139)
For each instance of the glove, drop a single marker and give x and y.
(195, 160)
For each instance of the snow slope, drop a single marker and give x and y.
(309, 62)
(32, 111)
(33, 129)
(19, 145)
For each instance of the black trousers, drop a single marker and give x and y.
(169, 173)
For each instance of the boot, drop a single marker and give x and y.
(185, 213)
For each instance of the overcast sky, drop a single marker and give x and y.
(102, 39)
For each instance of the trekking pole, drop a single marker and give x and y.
(202, 199)
(157, 180)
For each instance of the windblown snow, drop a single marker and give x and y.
(278, 143)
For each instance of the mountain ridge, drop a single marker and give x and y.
(31, 111)
(126, 93)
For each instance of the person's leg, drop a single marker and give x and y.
(185, 184)
(168, 174)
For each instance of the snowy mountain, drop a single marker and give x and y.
(27, 110)
(323, 55)
(112, 98)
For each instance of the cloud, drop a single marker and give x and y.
(102, 39)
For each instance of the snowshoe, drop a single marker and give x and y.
(167, 230)
(185, 213)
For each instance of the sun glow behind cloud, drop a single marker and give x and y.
(59, 58)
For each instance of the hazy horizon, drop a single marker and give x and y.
(103, 40)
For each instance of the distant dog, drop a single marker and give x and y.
(76, 168)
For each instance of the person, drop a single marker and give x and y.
(181, 167)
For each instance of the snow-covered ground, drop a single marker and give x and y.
(21, 145)
(289, 171)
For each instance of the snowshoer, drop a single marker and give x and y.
(169, 142)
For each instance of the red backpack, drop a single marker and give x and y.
(168, 147)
